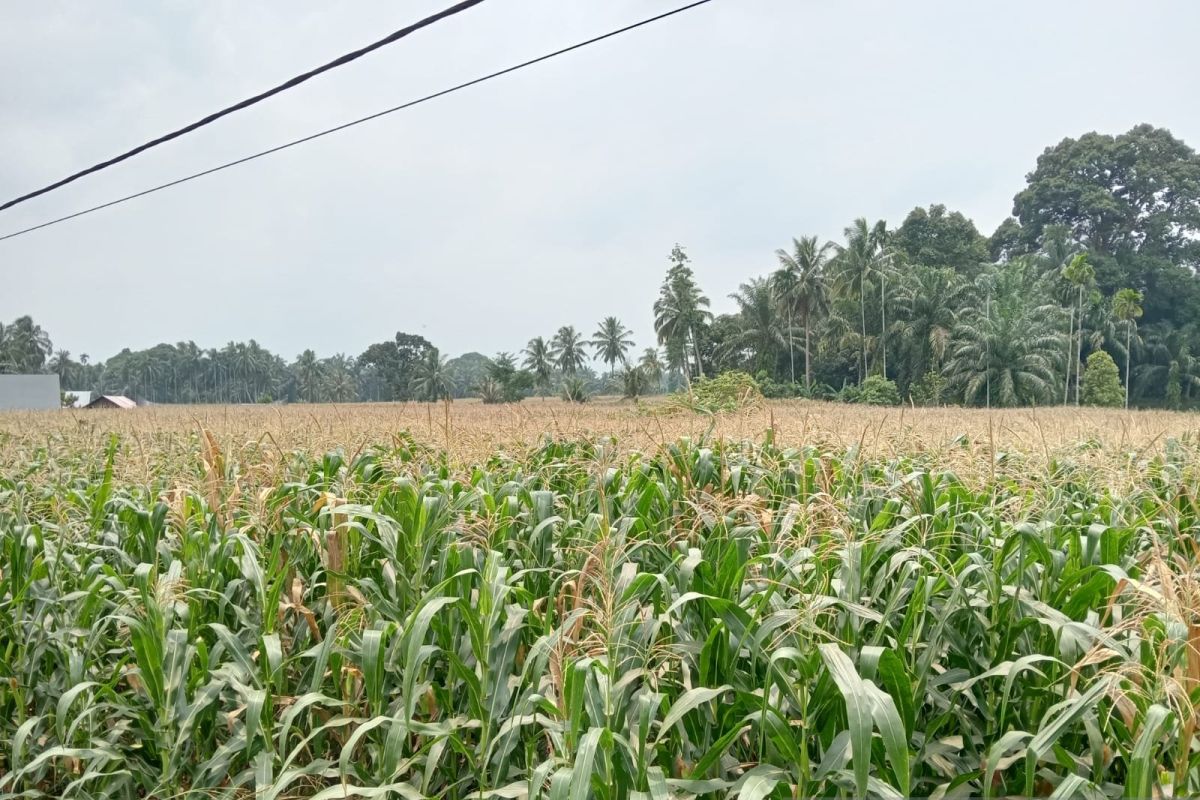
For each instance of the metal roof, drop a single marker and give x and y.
(117, 400)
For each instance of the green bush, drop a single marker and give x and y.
(930, 389)
(728, 391)
(1102, 382)
(574, 390)
(876, 390)
(775, 389)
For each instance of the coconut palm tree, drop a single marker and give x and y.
(340, 384)
(566, 348)
(1080, 274)
(859, 262)
(759, 328)
(308, 376)
(610, 342)
(539, 361)
(24, 346)
(432, 379)
(651, 365)
(1127, 307)
(60, 365)
(802, 291)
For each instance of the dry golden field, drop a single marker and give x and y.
(972, 442)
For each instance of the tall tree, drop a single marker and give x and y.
(1139, 191)
(859, 262)
(396, 361)
(432, 379)
(539, 361)
(24, 346)
(651, 365)
(760, 330)
(1127, 307)
(935, 238)
(308, 377)
(566, 348)
(611, 341)
(679, 312)
(1133, 200)
(802, 291)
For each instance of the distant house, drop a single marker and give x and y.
(111, 401)
(29, 392)
(81, 398)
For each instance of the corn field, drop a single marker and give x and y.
(710, 617)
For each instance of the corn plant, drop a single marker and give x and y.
(714, 618)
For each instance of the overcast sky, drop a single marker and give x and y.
(545, 198)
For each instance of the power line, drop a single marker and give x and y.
(258, 98)
(359, 121)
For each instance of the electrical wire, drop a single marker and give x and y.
(359, 121)
(258, 98)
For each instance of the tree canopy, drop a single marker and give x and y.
(1100, 257)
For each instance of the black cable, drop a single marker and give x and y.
(258, 98)
(359, 121)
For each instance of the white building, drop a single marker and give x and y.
(29, 392)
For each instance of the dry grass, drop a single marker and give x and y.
(972, 442)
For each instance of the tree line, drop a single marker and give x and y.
(1096, 267)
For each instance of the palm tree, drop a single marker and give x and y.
(1080, 274)
(801, 290)
(759, 328)
(432, 379)
(858, 262)
(538, 360)
(1168, 362)
(927, 306)
(651, 365)
(566, 348)
(24, 346)
(60, 365)
(610, 342)
(680, 310)
(308, 376)
(1009, 352)
(340, 384)
(1127, 307)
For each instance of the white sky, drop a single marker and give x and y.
(545, 198)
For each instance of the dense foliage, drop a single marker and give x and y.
(1101, 382)
(1100, 255)
(727, 620)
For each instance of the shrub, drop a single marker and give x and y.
(1102, 382)
(931, 389)
(728, 391)
(876, 390)
(491, 391)
(574, 390)
(776, 389)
